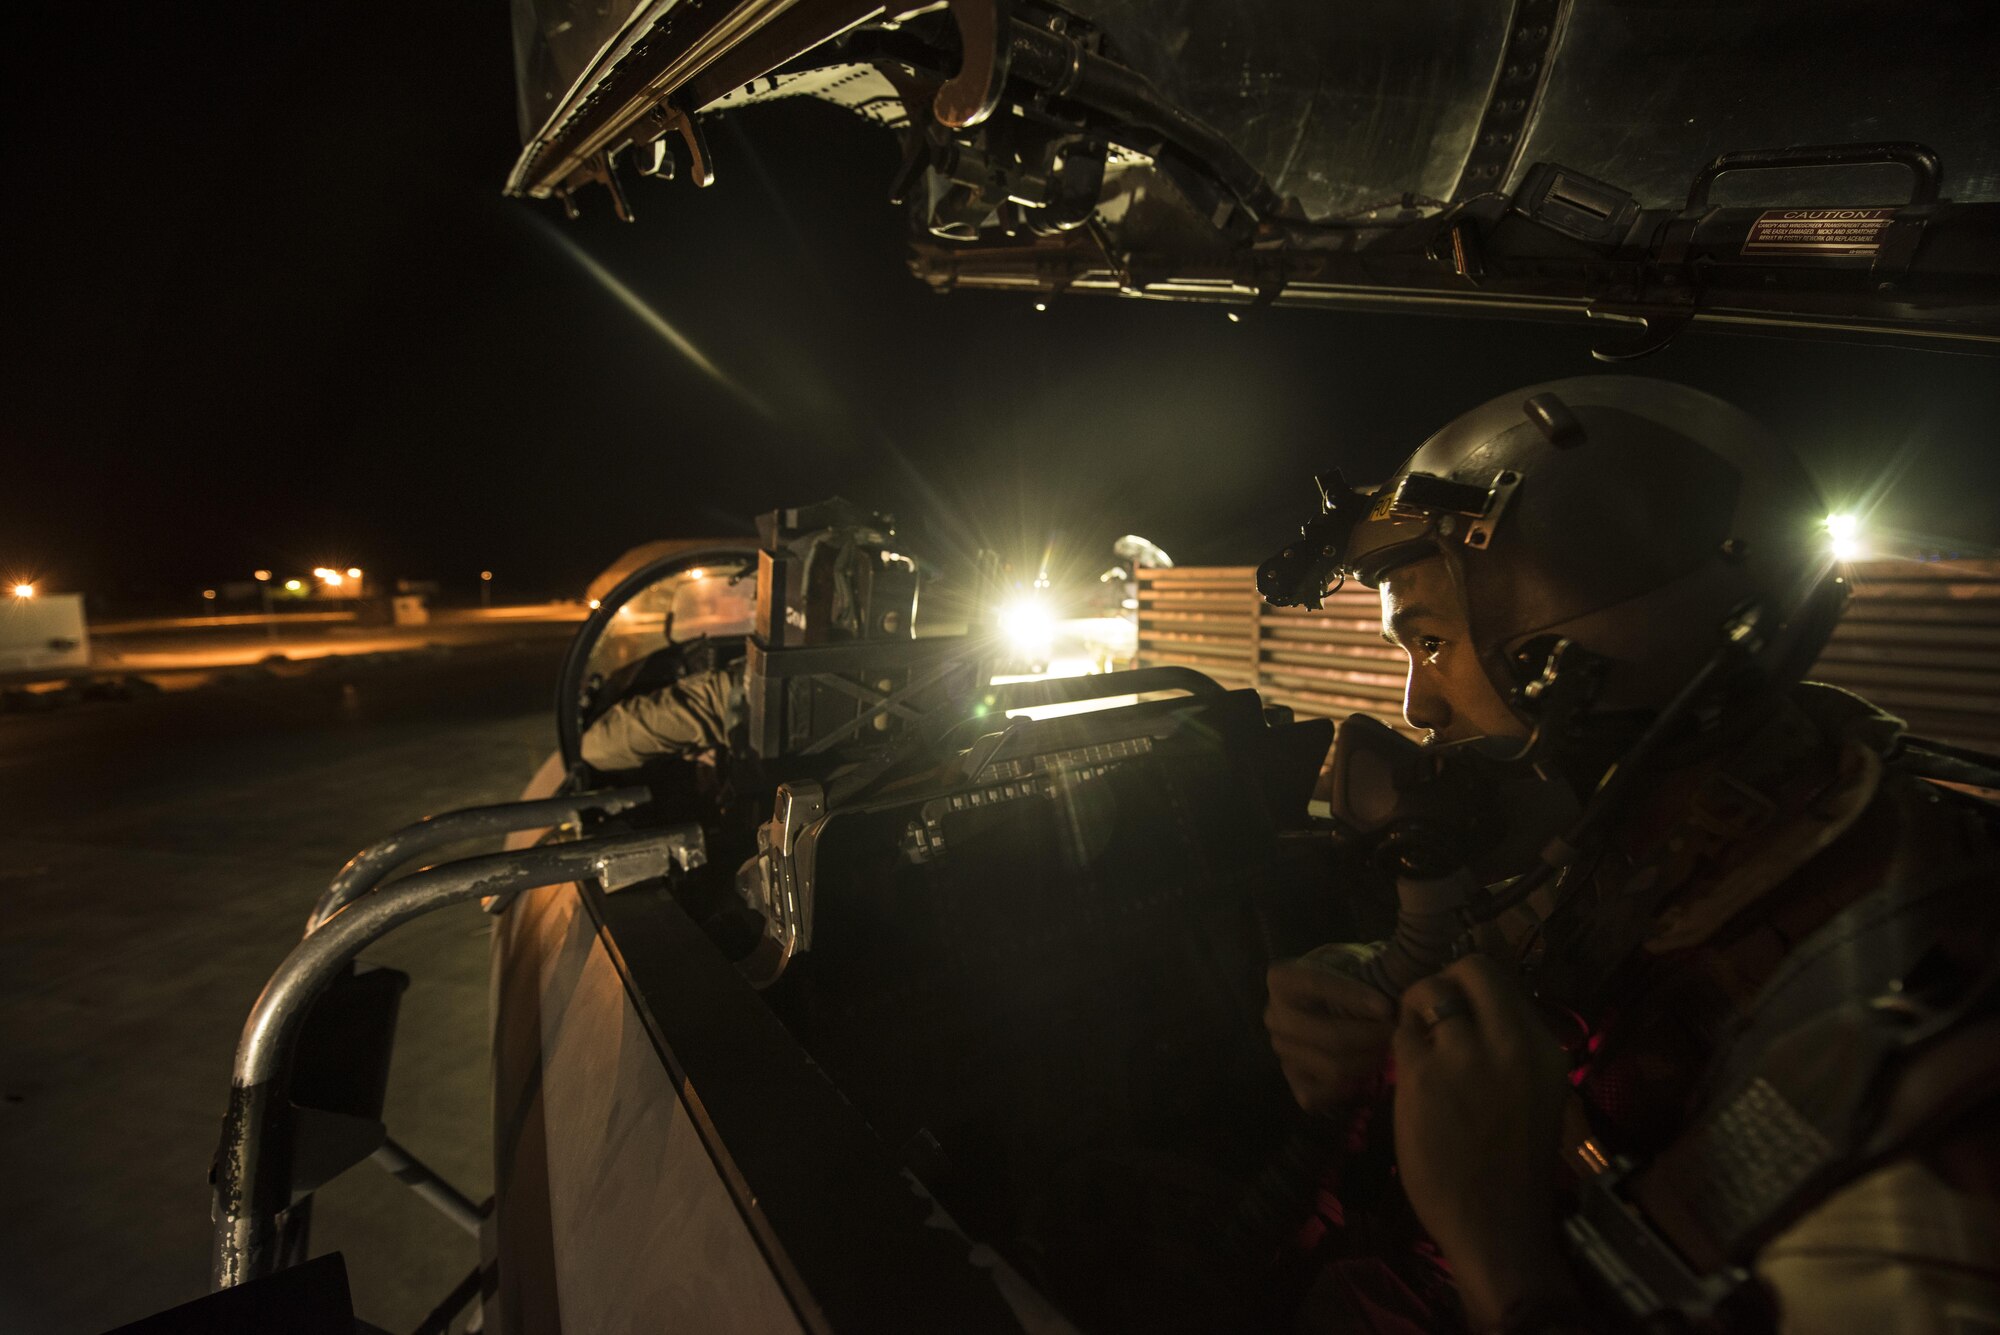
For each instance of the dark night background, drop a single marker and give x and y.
(267, 307)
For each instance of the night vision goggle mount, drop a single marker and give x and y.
(1319, 560)
(1310, 566)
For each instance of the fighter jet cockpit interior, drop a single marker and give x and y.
(1522, 864)
(1028, 951)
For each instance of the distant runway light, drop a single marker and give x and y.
(354, 572)
(261, 576)
(293, 586)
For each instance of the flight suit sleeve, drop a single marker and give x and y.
(696, 713)
(1899, 1250)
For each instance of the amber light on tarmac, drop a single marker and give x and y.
(24, 590)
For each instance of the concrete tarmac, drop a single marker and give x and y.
(157, 860)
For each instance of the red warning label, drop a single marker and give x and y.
(1834, 232)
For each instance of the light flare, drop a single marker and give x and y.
(1843, 532)
(653, 320)
(1029, 625)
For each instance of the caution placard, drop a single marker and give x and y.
(1824, 232)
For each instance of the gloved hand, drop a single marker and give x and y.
(1330, 1030)
(1479, 1097)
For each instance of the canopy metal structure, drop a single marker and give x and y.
(1816, 168)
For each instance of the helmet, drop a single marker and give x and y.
(1634, 518)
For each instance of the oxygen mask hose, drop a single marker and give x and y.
(1395, 805)
(1426, 813)
(1428, 925)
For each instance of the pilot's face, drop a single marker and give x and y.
(1446, 692)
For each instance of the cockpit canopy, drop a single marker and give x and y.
(1810, 164)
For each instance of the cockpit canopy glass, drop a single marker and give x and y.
(713, 602)
(1360, 107)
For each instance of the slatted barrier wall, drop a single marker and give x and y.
(1920, 638)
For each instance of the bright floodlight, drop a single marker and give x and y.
(1028, 624)
(293, 585)
(334, 579)
(24, 590)
(1844, 534)
(354, 572)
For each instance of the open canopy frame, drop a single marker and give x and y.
(1813, 166)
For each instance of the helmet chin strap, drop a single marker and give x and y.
(1742, 639)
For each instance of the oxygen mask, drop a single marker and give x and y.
(1423, 811)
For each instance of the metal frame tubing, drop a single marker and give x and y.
(253, 1164)
(373, 864)
(415, 1174)
(1098, 685)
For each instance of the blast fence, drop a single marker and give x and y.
(1920, 638)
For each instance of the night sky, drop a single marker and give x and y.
(267, 307)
